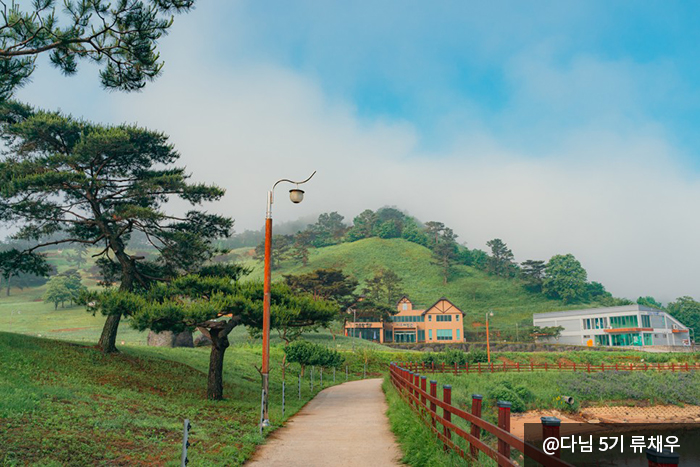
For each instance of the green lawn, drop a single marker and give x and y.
(68, 404)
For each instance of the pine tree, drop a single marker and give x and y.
(96, 185)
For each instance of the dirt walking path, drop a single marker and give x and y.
(344, 425)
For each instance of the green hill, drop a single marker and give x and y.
(472, 290)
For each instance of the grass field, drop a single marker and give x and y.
(68, 404)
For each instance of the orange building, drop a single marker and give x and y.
(443, 322)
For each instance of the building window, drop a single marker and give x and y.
(602, 339)
(456, 317)
(421, 336)
(444, 334)
(430, 334)
(408, 319)
(646, 322)
(458, 335)
(443, 318)
(405, 306)
(430, 318)
(629, 321)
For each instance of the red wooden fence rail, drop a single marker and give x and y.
(505, 367)
(408, 384)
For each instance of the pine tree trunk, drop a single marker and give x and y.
(108, 339)
(215, 381)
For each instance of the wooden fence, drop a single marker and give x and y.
(531, 367)
(413, 389)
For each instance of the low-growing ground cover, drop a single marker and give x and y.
(68, 404)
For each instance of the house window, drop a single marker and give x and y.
(457, 317)
(444, 334)
(443, 318)
(405, 306)
(430, 334)
(646, 322)
(421, 336)
(458, 335)
(430, 318)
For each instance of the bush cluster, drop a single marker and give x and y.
(307, 353)
(518, 396)
(452, 356)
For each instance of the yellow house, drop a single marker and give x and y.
(442, 322)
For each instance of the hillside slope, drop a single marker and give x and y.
(470, 289)
(68, 404)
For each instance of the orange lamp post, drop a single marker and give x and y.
(296, 196)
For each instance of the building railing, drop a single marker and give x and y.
(413, 389)
(532, 367)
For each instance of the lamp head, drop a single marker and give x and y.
(296, 195)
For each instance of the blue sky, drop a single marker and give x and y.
(560, 127)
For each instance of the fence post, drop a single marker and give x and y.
(550, 429)
(504, 366)
(559, 365)
(504, 424)
(283, 388)
(299, 385)
(364, 371)
(532, 366)
(446, 414)
(517, 365)
(574, 367)
(443, 367)
(475, 431)
(416, 385)
(616, 367)
(663, 458)
(423, 381)
(602, 367)
(479, 367)
(185, 443)
(433, 393)
(545, 366)
(466, 367)
(589, 367)
(456, 370)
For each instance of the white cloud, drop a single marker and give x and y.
(608, 189)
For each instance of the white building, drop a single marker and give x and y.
(630, 325)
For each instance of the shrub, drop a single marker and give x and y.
(502, 393)
(452, 356)
(477, 356)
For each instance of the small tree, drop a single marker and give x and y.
(445, 252)
(533, 272)
(14, 262)
(565, 279)
(501, 259)
(215, 306)
(57, 291)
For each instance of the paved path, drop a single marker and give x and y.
(344, 425)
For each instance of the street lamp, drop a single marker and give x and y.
(488, 347)
(296, 195)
